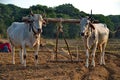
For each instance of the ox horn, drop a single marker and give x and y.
(31, 12)
(90, 17)
(91, 12)
(44, 14)
(44, 18)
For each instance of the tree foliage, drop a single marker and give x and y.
(10, 13)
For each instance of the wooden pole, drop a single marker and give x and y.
(67, 46)
(61, 30)
(77, 52)
(57, 34)
(62, 20)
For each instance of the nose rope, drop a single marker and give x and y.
(31, 27)
(34, 31)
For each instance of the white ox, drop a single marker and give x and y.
(94, 35)
(26, 34)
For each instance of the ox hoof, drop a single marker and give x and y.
(102, 63)
(13, 62)
(24, 65)
(93, 65)
(22, 62)
(86, 65)
(36, 65)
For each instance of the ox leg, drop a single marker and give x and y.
(102, 50)
(13, 54)
(87, 58)
(36, 55)
(21, 55)
(24, 56)
(103, 59)
(103, 54)
(93, 55)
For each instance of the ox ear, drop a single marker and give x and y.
(25, 19)
(80, 17)
(91, 25)
(44, 23)
(44, 19)
(43, 15)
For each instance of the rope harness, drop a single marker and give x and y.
(35, 33)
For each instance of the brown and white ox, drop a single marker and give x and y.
(94, 35)
(26, 34)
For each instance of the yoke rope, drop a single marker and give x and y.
(59, 29)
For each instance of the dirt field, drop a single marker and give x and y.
(62, 71)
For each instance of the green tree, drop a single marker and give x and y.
(106, 20)
(68, 9)
(73, 31)
(10, 13)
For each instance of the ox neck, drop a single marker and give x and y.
(32, 29)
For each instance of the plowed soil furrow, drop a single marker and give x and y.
(62, 70)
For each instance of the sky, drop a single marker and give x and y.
(105, 7)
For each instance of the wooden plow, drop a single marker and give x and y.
(59, 29)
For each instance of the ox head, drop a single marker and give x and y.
(86, 27)
(36, 22)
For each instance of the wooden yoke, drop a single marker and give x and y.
(62, 20)
(59, 29)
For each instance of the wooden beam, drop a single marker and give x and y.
(62, 20)
(65, 61)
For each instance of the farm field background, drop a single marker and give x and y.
(62, 71)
